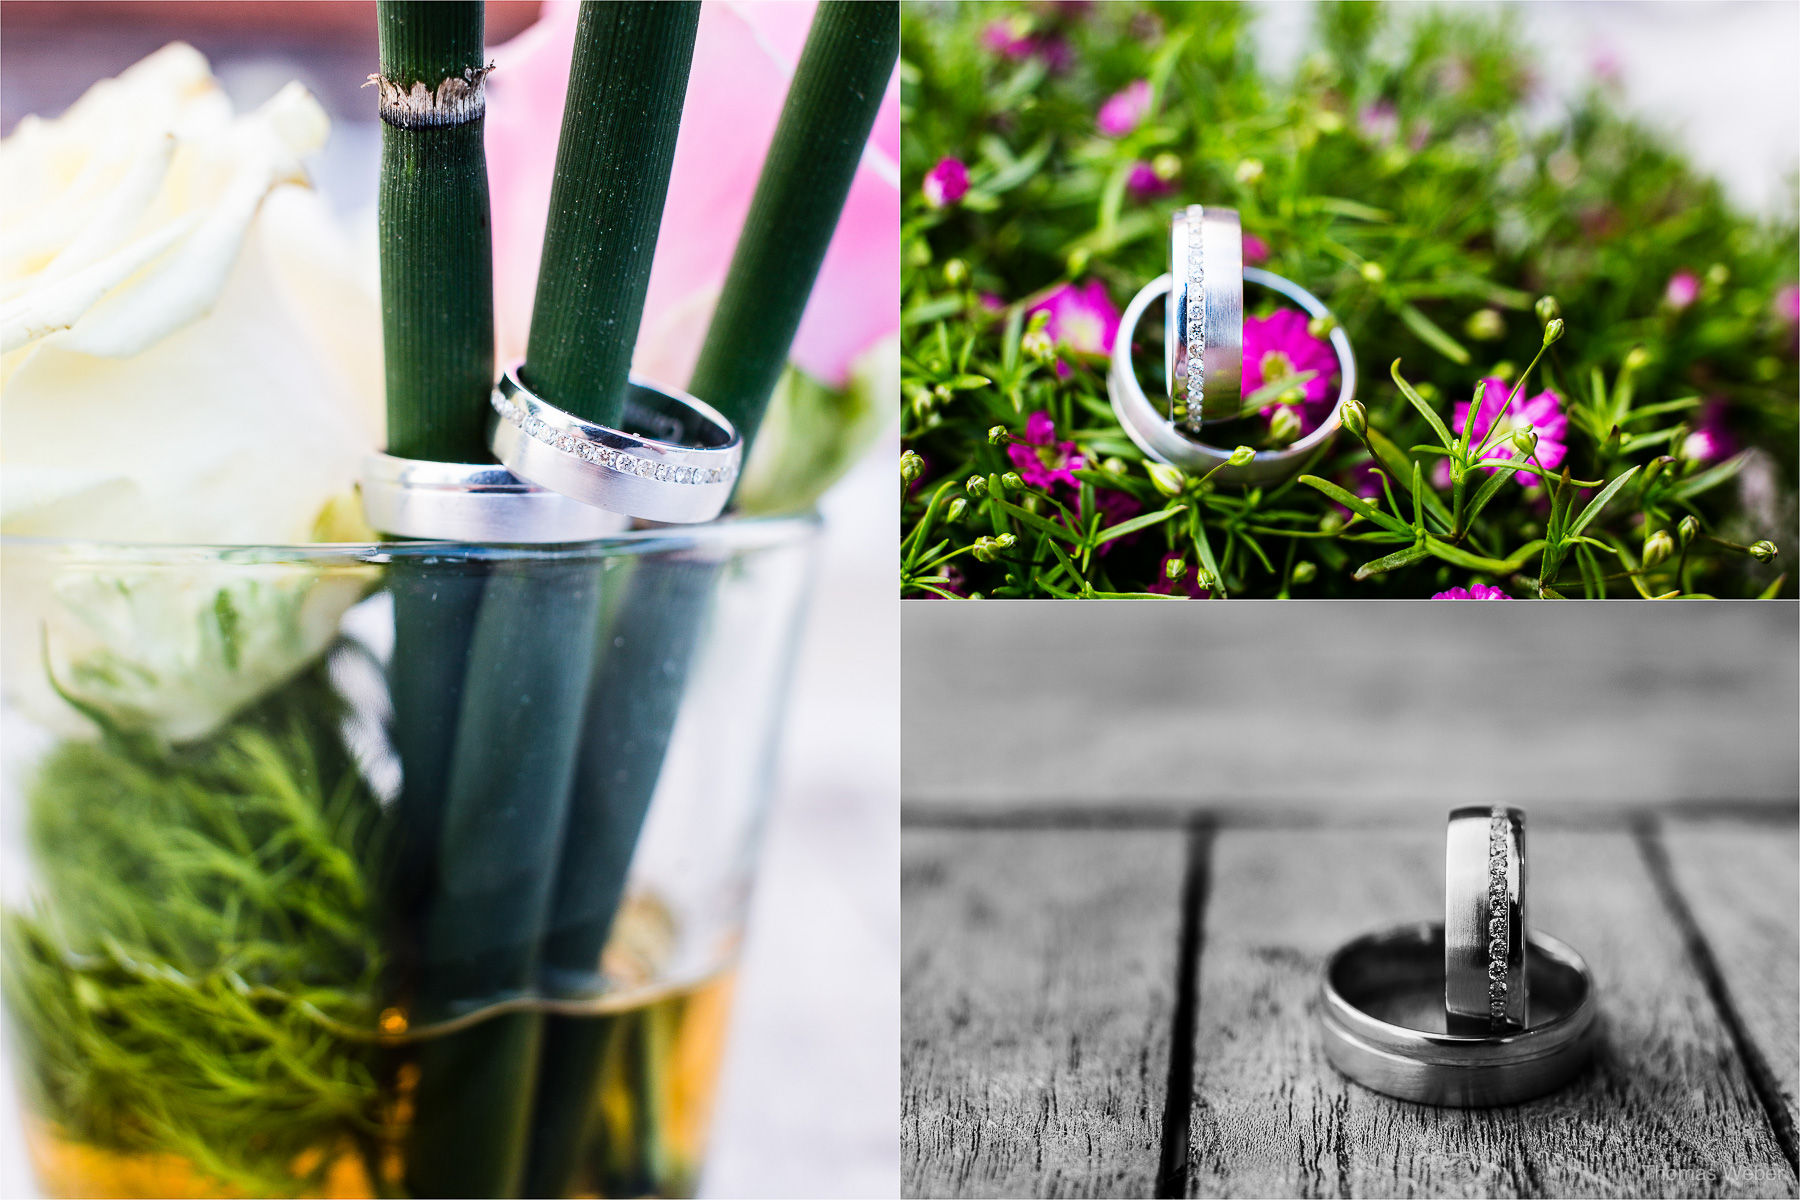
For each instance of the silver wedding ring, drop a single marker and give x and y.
(1382, 1017)
(1486, 985)
(676, 461)
(473, 502)
(1160, 437)
(1203, 342)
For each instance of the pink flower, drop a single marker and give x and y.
(744, 56)
(1082, 319)
(1125, 110)
(1787, 303)
(1189, 583)
(1710, 440)
(945, 183)
(1144, 182)
(1543, 412)
(991, 302)
(1041, 460)
(1255, 249)
(1379, 123)
(1683, 290)
(1480, 591)
(1278, 346)
(1010, 37)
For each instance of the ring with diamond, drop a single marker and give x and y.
(1486, 984)
(1381, 1014)
(676, 462)
(1159, 435)
(473, 502)
(1203, 321)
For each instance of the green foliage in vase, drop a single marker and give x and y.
(1399, 176)
(196, 973)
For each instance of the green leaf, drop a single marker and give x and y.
(1137, 523)
(1458, 557)
(1503, 471)
(1432, 336)
(926, 311)
(1204, 548)
(1400, 558)
(1774, 589)
(1598, 502)
(1399, 466)
(1712, 477)
(1033, 521)
(1355, 504)
(1430, 414)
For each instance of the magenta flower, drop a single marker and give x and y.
(1010, 37)
(1710, 440)
(1082, 319)
(1683, 290)
(1787, 303)
(1125, 110)
(1255, 249)
(991, 302)
(1480, 591)
(1278, 346)
(1379, 122)
(1041, 460)
(1189, 583)
(945, 183)
(1543, 412)
(1144, 182)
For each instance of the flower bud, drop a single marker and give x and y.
(1553, 332)
(1166, 479)
(956, 272)
(1037, 346)
(1655, 467)
(1175, 568)
(1166, 167)
(1011, 481)
(1321, 327)
(1115, 466)
(1374, 272)
(984, 549)
(1637, 360)
(1078, 260)
(1718, 274)
(1305, 571)
(954, 513)
(996, 434)
(943, 393)
(1525, 439)
(1331, 522)
(1284, 427)
(976, 486)
(1356, 418)
(1243, 454)
(1250, 171)
(1687, 531)
(911, 467)
(1547, 309)
(1006, 541)
(1763, 551)
(1657, 548)
(1485, 325)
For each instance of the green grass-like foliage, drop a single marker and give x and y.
(200, 956)
(1395, 175)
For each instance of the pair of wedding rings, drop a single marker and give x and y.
(562, 479)
(1203, 353)
(1477, 1011)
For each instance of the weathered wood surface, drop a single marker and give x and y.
(1038, 979)
(1377, 707)
(996, 923)
(1742, 885)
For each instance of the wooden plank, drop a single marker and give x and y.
(1666, 1110)
(1742, 884)
(1037, 991)
(1160, 704)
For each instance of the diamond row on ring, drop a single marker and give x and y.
(1498, 916)
(1196, 315)
(605, 456)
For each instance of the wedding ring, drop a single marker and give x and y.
(677, 460)
(1485, 982)
(1160, 438)
(473, 502)
(1203, 342)
(1382, 1017)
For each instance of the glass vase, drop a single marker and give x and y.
(399, 869)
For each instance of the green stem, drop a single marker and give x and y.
(437, 268)
(805, 180)
(626, 86)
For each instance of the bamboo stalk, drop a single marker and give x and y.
(818, 143)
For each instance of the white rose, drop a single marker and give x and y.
(189, 353)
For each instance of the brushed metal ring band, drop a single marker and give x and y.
(473, 502)
(1486, 985)
(1381, 1014)
(677, 463)
(1159, 438)
(1203, 342)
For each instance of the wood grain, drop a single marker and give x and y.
(1400, 708)
(1038, 973)
(1666, 1110)
(1742, 884)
